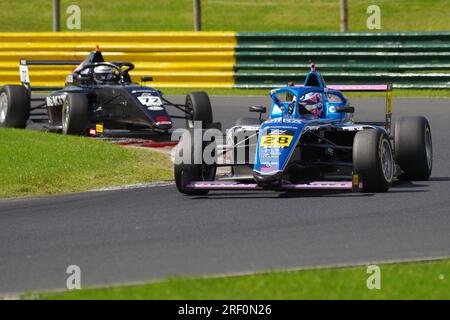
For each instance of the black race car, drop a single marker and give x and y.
(98, 96)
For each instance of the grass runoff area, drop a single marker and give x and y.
(38, 163)
(246, 15)
(421, 280)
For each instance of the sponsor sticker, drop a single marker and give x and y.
(155, 108)
(144, 91)
(150, 101)
(24, 75)
(69, 78)
(268, 168)
(55, 101)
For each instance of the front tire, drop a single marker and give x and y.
(199, 108)
(14, 106)
(373, 160)
(185, 168)
(414, 148)
(75, 114)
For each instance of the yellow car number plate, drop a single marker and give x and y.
(276, 140)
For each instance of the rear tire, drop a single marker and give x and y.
(414, 148)
(373, 160)
(199, 106)
(185, 168)
(75, 114)
(14, 106)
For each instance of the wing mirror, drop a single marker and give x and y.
(259, 109)
(145, 79)
(345, 109)
(82, 77)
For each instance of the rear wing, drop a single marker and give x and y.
(25, 74)
(37, 114)
(370, 88)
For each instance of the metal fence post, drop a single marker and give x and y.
(197, 15)
(56, 15)
(344, 16)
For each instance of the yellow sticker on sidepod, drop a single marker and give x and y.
(276, 140)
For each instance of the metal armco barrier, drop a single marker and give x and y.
(173, 59)
(242, 60)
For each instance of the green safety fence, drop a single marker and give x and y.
(408, 60)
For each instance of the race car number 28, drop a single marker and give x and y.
(281, 140)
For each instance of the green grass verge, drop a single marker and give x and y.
(246, 15)
(425, 280)
(37, 163)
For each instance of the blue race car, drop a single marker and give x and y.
(310, 141)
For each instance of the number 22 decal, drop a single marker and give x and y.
(150, 101)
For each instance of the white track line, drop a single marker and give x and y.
(136, 186)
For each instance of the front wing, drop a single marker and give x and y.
(354, 185)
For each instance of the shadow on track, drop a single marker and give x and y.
(440, 179)
(316, 193)
(284, 194)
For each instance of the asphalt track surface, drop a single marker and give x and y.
(145, 234)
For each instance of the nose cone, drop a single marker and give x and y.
(267, 180)
(276, 143)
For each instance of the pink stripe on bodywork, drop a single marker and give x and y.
(360, 87)
(326, 185)
(356, 87)
(218, 185)
(318, 185)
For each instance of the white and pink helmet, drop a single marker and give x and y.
(312, 102)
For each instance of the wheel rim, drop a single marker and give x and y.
(189, 114)
(428, 147)
(65, 117)
(3, 107)
(387, 160)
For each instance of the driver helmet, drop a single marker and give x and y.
(312, 102)
(104, 74)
